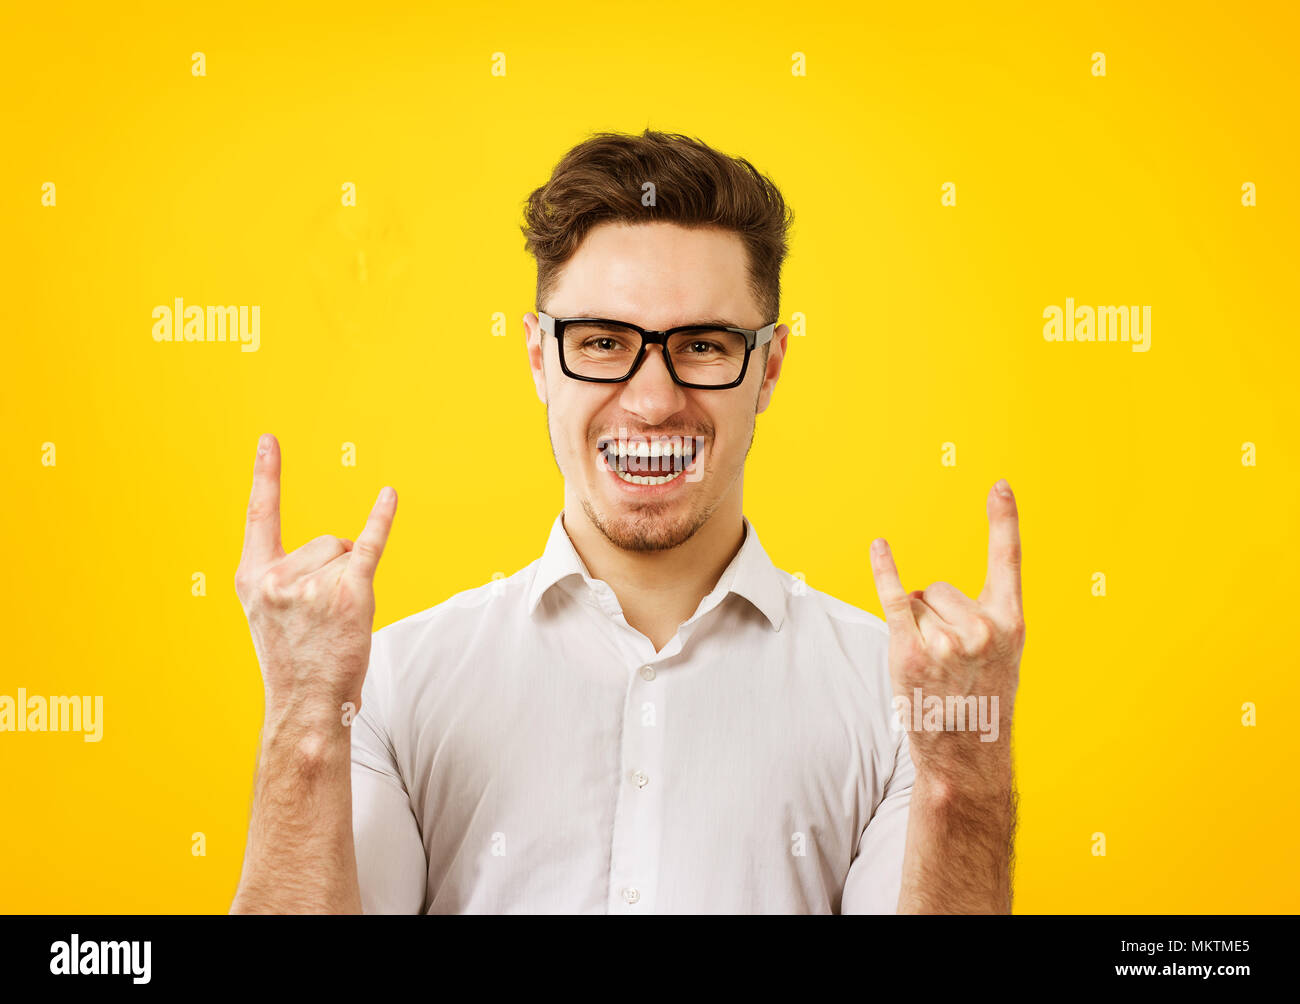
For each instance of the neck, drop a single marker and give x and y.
(658, 590)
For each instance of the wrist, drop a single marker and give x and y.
(950, 769)
(310, 723)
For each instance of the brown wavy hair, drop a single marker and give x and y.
(600, 181)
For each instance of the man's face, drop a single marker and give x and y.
(656, 275)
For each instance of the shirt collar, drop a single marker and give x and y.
(750, 575)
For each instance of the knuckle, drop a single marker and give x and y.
(367, 549)
(898, 604)
(981, 634)
(271, 591)
(259, 511)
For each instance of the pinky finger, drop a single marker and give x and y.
(370, 545)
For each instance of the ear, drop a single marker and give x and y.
(533, 336)
(775, 356)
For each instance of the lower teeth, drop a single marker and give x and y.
(636, 479)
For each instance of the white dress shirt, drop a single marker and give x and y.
(521, 749)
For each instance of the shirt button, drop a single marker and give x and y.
(631, 895)
(647, 672)
(640, 778)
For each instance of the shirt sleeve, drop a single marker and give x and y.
(391, 865)
(876, 873)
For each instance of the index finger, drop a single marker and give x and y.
(369, 547)
(1002, 584)
(262, 527)
(893, 597)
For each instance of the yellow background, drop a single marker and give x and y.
(924, 326)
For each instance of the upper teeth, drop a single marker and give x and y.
(671, 448)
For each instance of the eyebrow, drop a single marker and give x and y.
(713, 322)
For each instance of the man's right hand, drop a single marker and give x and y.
(311, 612)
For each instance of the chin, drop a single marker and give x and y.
(648, 526)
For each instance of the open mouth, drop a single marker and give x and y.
(648, 461)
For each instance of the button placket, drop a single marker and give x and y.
(639, 813)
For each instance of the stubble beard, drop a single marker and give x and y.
(649, 529)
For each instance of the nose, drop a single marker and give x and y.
(651, 393)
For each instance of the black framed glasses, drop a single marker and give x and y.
(702, 356)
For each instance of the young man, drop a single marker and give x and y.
(650, 717)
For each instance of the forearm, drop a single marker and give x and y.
(960, 836)
(300, 856)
